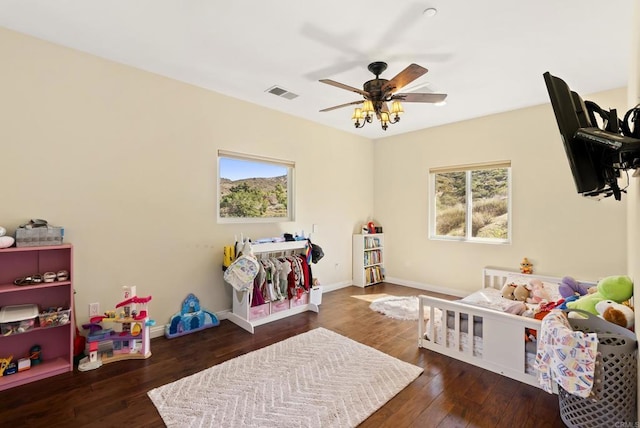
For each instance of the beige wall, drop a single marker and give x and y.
(559, 231)
(125, 160)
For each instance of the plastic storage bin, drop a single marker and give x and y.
(54, 318)
(613, 400)
(17, 319)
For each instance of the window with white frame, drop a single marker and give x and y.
(471, 202)
(253, 189)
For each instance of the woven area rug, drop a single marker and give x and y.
(398, 307)
(314, 379)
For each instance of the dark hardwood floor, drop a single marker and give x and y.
(448, 394)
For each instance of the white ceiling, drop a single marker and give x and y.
(488, 56)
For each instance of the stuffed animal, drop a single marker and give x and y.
(526, 266)
(514, 291)
(616, 313)
(537, 292)
(521, 293)
(566, 300)
(616, 288)
(570, 287)
(507, 291)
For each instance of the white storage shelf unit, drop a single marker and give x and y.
(368, 259)
(249, 317)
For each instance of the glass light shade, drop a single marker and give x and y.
(396, 108)
(357, 115)
(384, 117)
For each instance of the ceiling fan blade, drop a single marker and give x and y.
(420, 98)
(406, 76)
(342, 105)
(343, 86)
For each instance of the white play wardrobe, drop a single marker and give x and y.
(248, 317)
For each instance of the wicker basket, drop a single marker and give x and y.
(614, 391)
(39, 236)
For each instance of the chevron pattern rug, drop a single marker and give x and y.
(314, 379)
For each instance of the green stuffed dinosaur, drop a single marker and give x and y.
(616, 288)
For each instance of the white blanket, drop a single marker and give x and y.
(491, 298)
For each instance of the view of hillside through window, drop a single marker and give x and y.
(472, 204)
(253, 189)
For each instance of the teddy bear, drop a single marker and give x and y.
(514, 291)
(617, 288)
(616, 313)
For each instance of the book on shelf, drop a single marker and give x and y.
(371, 242)
(374, 274)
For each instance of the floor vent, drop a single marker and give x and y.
(276, 90)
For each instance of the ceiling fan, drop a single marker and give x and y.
(378, 92)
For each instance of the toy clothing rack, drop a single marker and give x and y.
(248, 317)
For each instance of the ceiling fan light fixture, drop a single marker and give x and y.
(367, 108)
(360, 118)
(396, 108)
(384, 120)
(379, 92)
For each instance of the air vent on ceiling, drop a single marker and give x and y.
(276, 90)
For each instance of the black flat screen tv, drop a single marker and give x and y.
(592, 164)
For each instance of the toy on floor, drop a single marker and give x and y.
(190, 319)
(131, 342)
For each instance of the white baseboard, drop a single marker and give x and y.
(336, 286)
(156, 331)
(426, 287)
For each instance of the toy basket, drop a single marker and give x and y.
(613, 399)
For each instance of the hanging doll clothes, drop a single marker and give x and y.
(565, 356)
(281, 278)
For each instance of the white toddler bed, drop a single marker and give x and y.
(498, 341)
